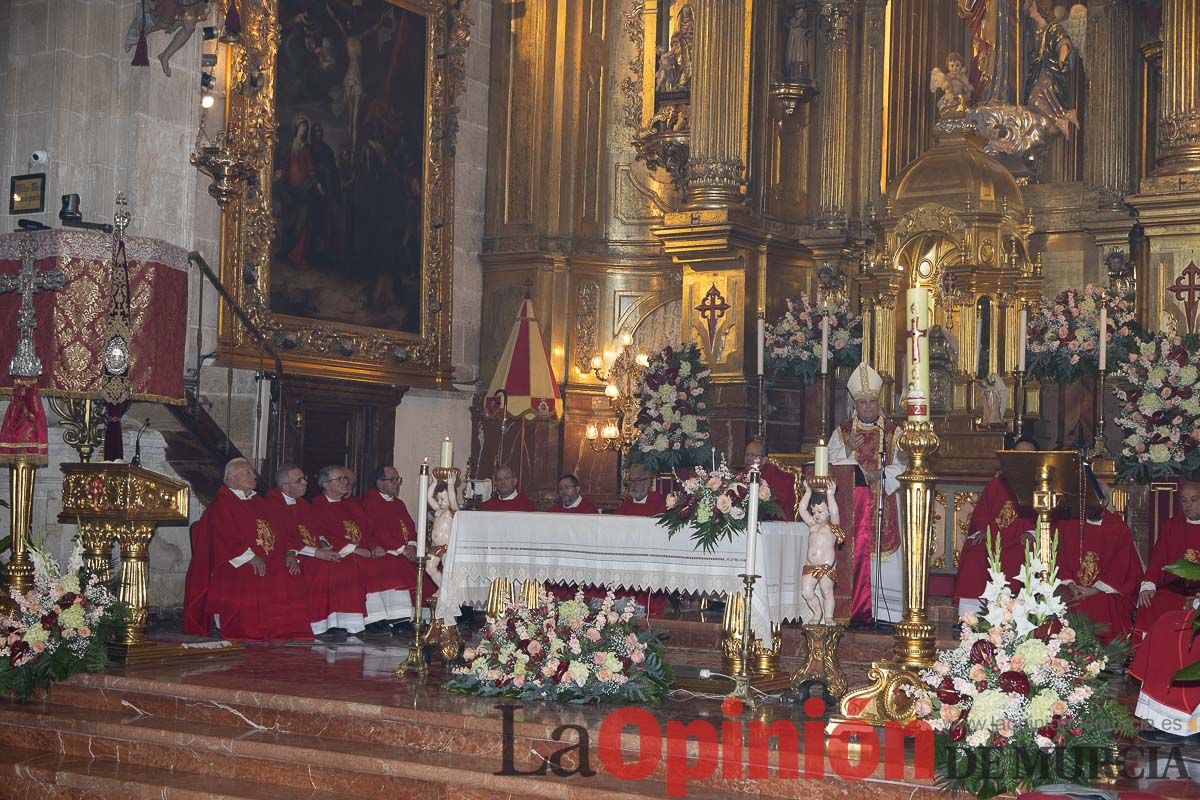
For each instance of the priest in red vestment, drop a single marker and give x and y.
(1100, 566)
(340, 518)
(1170, 707)
(507, 498)
(1178, 540)
(570, 501)
(240, 580)
(333, 593)
(782, 483)
(871, 443)
(395, 529)
(642, 501)
(999, 514)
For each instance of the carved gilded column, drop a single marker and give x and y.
(716, 170)
(1108, 164)
(871, 97)
(832, 195)
(1179, 98)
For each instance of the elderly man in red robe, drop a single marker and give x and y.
(570, 501)
(1178, 540)
(1099, 566)
(782, 483)
(507, 498)
(336, 606)
(239, 575)
(1000, 515)
(395, 530)
(340, 518)
(870, 442)
(642, 501)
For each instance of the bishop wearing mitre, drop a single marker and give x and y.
(870, 442)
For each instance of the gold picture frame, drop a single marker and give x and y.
(312, 345)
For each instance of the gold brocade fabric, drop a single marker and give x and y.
(1007, 513)
(1089, 569)
(266, 536)
(353, 534)
(306, 536)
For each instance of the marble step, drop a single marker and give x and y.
(292, 762)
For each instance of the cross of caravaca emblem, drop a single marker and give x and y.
(915, 333)
(1186, 289)
(712, 309)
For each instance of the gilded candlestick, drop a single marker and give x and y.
(1099, 446)
(416, 654)
(741, 678)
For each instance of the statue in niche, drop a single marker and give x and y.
(942, 352)
(795, 57)
(674, 71)
(1046, 87)
(953, 84)
(994, 392)
(176, 17)
(665, 76)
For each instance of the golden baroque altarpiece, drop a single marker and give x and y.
(311, 346)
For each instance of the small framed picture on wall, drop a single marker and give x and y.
(27, 194)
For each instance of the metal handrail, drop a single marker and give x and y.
(237, 310)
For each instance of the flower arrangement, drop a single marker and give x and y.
(1025, 683)
(565, 652)
(1159, 392)
(673, 419)
(794, 341)
(60, 627)
(1064, 334)
(714, 505)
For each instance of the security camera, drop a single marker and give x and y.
(39, 157)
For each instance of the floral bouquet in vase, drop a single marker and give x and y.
(59, 628)
(565, 652)
(793, 345)
(1024, 685)
(1064, 334)
(714, 505)
(1160, 409)
(673, 418)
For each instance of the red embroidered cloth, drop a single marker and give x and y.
(71, 323)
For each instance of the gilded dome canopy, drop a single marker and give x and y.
(956, 168)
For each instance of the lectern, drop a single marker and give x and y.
(1042, 480)
(123, 503)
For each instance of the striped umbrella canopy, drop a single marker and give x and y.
(524, 382)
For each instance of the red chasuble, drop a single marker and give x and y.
(783, 490)
(585, 507)
(518, 502)
(1169, 646)
(867, 456)
(1103, 557)
(654, 505)
(997, 511)
(1179, 540)
(250, 607)
(393, 529)
(333, 595)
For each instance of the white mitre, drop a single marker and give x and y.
(864, 383)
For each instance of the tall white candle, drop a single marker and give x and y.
(1022, 345)
(422, 507)
(447, 452)
(916, 324)
(752, 525)
(825, 340)
(762, 344)
(1103, 338)
(821, 466)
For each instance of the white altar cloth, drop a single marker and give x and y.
(620, 552)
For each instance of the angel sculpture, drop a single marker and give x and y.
(176, 17)
(994, 392)
(443, 500)
(954, 85)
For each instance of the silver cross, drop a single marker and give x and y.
(25, 363)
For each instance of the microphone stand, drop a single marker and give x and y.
(877, 594)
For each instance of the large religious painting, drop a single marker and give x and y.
(341, 253)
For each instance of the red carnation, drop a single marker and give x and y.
(1014, 682)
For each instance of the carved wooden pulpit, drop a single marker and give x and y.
(123, 503)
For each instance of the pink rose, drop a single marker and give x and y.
(1059, 708)
(764, 491)
(995, 635)
(977, 673)
(593, 634)
(949, 713)
(1066, 635)
(599, 658)
(604, 674)
(535, 648)
(39, 646)
(85, 631)
(714, 483)
(923, 708)
(469, 654)
(1018, 662)
(672, 500)
(518, 681)
(637, 657)
(724, 504)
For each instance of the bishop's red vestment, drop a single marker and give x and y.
(651, 506)
(1104, 558)
(583, 507)
(783, 490)
(344, 525)
(333, 593)
(1179, 540)
(394, 529)
(246, 606)
(1170, 645)
(996, 512)
(518, 502)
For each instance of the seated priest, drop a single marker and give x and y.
(641, 500)
(782, 483)
(870, 443)
(394, 528)
(999, 515)
(507, 498)
(336, 606)
(1178, 540)
(239, 578)
(570, 501)
(1169, 706)
(1099, 565)
(342, 522)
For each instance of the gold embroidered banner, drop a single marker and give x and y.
(70, 335)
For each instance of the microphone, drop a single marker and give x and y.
(137, 444)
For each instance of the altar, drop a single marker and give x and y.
(620, 552)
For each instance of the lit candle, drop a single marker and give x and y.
(916, 324)
(821, 467)
(447, 452)
(825, 340)
(597, 362)
(1024, 332)
(422, 507)
(593, 433)
(1103, 338)
(626, 339)
(752, 524)
(762, 344)
(611, 390)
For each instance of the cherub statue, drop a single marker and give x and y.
(443, 500)
(175, 17)
(664, 78)
(824, 535)
(994, 392)
(954, 85)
